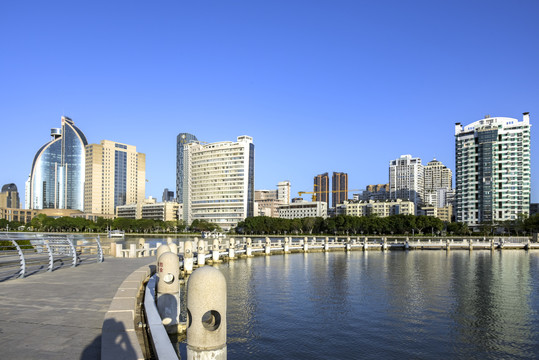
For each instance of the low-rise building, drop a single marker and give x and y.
(134, 210)
(379, 208)
(164, 211)
(303, 209)
(15, 214)
(443, 213)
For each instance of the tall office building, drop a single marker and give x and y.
(218, 182)
(57, 175)
(406, 179)
(339, 187)
(167, 195)
(492, 170)
(321, 188)
(283, 192)
(115, 175)
(436, 176)
(181, 140)
(9, 197)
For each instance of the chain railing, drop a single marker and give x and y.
(26, 254)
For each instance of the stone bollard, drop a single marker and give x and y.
(168, 291)
(470, 244)
(528, 245)
(448, 244)
(188, 257)
(306, 244)
(348, 244)
(407, 244)
(113, 249)
(161, 250)
(140, 243)
(232, 248)
(326, 244)
(384, 244)
(173, 248)
(492, 247)
(249, 248)
(146, 249)
(119, 252)
(181, 247)
(215, 251)
(206, 315)
(267, 247)
(286, 245)
(132, 251)
(365, 243)
(201, 253)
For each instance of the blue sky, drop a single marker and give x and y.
(321, 86)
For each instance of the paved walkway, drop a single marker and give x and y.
(59, 315)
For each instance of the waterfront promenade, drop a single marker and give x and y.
(59, 315)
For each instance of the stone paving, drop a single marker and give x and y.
(59, 315)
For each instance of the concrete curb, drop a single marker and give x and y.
(118, 336)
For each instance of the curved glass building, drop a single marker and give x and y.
(57, 176)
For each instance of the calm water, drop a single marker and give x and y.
(394, 305)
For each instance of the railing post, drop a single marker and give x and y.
(51, 258)
(365, 243)
(132, 251)
(232, 248)
(326, 244)
(119, 250)
(22, 272)
(215, 251)
(267, 248)
(188, 258)
(206, 315)
(168, 291)
(73, 251)
(249, 248)
(100, 256)
(348, 244)
(201, 254)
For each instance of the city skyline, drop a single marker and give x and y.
(395, 78)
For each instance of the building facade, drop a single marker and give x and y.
(379, 208)
(492, 158)
(181, 140)
(57, 174)
(436, 177)
(9, 197)
(167, 195)
(406, 179)
(339, 187)
(218, 184)
(283, 192)
(303, 209)
(377, 192)
(321, 188)
(115, 176)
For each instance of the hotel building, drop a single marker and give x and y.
(57, 174)
(492, 170)
(218, 182)
(115, 176)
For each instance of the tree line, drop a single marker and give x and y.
(373, 225)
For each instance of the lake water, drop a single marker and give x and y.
(392, 305)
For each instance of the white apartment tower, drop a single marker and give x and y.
(406, 179)
(218, 182)
(436, 176)
(283, 192)
(492, 170)
(115, 176)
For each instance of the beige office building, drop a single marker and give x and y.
(115, 176)
(379, 208)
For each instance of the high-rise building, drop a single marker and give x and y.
(283, 192)
(436, 176)
(492, 170)
(9, 197)
(57, 175)
(167, 195)
(339, 187)
(377, 192)
(321, 188)
(115, 176)
(181, 140)
(406, 179)
(218, 182)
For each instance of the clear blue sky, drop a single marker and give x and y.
(320, 85)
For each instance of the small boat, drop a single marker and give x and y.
(116, 234)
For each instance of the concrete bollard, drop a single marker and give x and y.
(384, 244)
(249, 248)
(407, 244)
(161, 250)
(132, 251)
(188, 257)
(173, 248)
(267, 247)
(348, 244)
(113, 249)
(232, 248)
(286, 245)
(201, 253)
(181, 247)
(215, 251)
(206, 315)
(448, 244)
(119, 250)
(365, 243)
(326, 244)
(470, 244)
(146, 249)
(168, 291)
(140, 243)
(306, 244)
